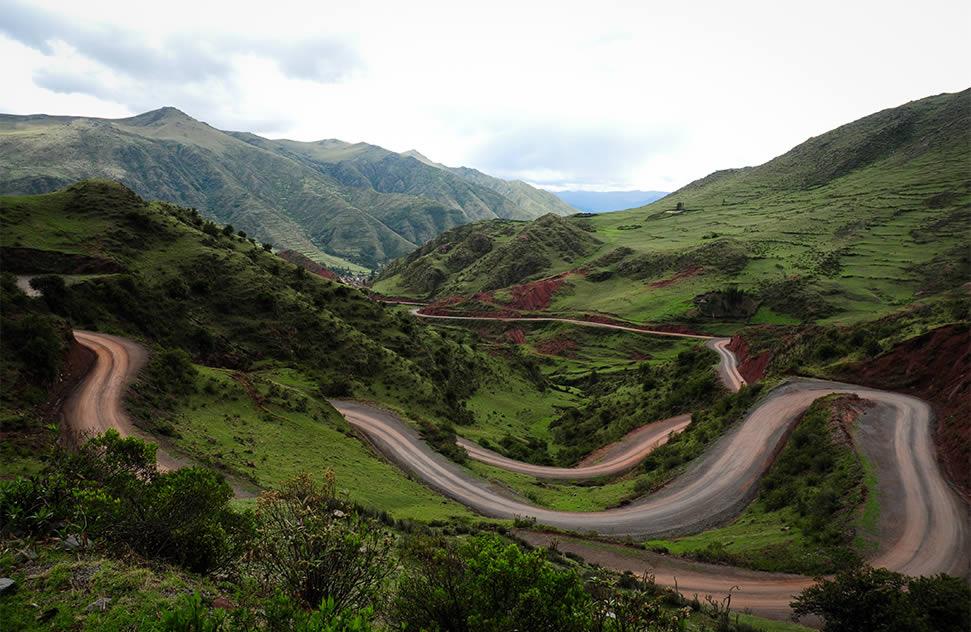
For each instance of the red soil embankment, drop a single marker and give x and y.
(516, 336)
(687, 273)
(752, 368)
(936, 367)
(558, 347)
(77, 362)
(536, 295)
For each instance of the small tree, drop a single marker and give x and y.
(487, 584)
(316, 547)
(868, 599)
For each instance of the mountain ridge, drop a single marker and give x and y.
(361, 202)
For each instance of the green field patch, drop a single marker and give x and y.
(561, 496)
(291, 433)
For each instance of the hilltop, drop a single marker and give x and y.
(851, 224)
(345, 205)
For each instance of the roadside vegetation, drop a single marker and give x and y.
(99, 540)
(808, 515)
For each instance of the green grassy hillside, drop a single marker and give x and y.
(250, 322)
(358, 202)
(848, 225)
(489, 256)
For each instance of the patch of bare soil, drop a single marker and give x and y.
(751, 367)
(558, 347)
(516, 336)
(307, 264)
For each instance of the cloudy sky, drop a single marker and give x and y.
(596, 95)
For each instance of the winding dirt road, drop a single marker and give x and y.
(615, 459)
(96, 404)
(923, 527)
(631, 449)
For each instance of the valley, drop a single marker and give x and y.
(740, 391)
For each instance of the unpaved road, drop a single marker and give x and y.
(924, 533)
(549, 319)
(96, 404)
(923, 526)
(923, 530)
(615, 459)
(633, 448)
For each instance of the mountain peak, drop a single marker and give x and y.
(420, 157)
(166, 114)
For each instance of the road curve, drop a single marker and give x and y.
(633, 448)
(573, 321)
(96, 404)
(923, 530)
(616, 459)
(929, 533)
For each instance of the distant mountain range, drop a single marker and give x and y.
(338, 203)
(604, 201)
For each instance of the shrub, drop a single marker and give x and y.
(633, 605)
(317, 547)
(110, 489)
(485, 584)
(868, 599)
(279, 613)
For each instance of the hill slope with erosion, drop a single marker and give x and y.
(850, 224)
(359, 202)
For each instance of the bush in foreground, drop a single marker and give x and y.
(868, 599)
(316, 547)
(110, 489)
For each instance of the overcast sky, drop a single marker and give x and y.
(595, 95)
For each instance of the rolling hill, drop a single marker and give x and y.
(854, 223)
(358, 202)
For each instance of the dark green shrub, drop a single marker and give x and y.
(115, 493)
(276, 614)
(868, 599)
(315, 546)
(486, 584)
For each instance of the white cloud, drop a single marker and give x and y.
(607, 94)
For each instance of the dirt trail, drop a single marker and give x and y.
(96, 404)
(727, 367)
(930, 525)
(614, 459)
(924, 526)
(633, 448)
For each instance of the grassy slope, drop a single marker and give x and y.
(850, 219)
(293, 430)
(509, 413)
(232, 305)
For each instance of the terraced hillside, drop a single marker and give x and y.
(851, 224)
(344, 205)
